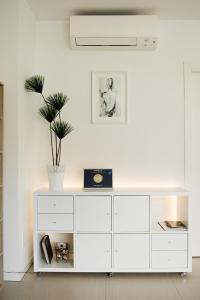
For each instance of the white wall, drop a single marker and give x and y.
(149, 150)
(17, 32)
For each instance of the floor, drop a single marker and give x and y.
(1, 269)
(99, 287)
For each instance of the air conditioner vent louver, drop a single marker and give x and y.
(106, 41)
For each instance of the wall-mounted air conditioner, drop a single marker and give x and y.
(114, 32)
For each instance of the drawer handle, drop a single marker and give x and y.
(54, 204)
(54, 222)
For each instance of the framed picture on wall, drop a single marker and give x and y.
(109, 97)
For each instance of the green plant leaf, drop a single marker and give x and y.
(57, 100)
(34, 84)
(61, 129)
(48, 113)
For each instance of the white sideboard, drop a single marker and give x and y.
(113, 231)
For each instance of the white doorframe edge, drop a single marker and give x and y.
(188, 69)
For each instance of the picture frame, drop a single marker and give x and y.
(109, 97)
(98, 179)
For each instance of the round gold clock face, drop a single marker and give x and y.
(98, 178)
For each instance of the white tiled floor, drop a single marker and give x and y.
(99, 287)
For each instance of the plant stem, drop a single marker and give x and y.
(56, 150)
(52, 152)
(47, 104)
(59, 153)
(59, 147)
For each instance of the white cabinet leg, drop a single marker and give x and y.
(109, 274)
(183, 274)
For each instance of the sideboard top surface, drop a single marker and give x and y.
(117, 191)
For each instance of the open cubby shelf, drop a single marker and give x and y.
(56, 265)
(157, 229)
(169, 208)
(54, 238)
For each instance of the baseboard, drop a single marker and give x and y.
(16, 276)
(8, 276)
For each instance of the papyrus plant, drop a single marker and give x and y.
(51, 112)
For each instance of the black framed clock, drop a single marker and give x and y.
(98, 178)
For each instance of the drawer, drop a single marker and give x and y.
(169, 259)
(55, 204)
(55, 222)
(169, 241)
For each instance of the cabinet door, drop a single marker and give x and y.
(93, 251)
(131, 251)
(131, 213)
(93, 213)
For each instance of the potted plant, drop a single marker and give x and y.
(58, 129)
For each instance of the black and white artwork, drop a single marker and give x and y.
(109, 97)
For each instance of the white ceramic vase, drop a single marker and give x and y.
(56, 177)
